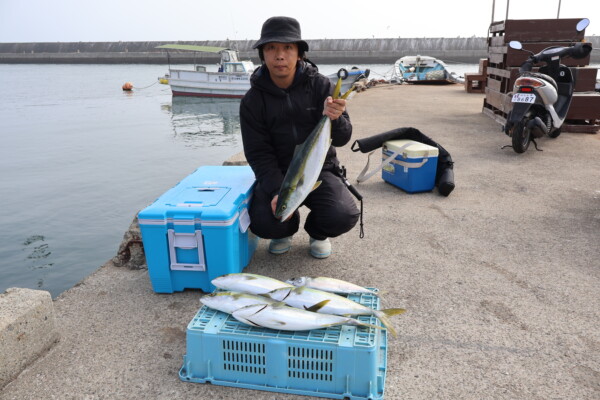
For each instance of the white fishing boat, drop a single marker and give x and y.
(231, 80)
(424, 69)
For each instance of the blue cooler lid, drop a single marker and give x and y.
(211, 193)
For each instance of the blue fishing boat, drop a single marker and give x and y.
(424, 69)
(349, 77)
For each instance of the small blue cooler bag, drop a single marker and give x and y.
(198, 230)
(409, 165)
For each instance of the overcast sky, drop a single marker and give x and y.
(170, 20)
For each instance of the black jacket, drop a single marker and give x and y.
(273, 121)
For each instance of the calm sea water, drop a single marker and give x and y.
(80, 157)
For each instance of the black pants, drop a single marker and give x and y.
(332, 212)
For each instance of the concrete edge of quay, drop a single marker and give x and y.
(27, 322)
(27, 329)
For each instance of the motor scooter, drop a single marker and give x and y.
(541, 99)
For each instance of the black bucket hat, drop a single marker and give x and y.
(281, 30)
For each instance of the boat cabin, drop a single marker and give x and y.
(230, 63)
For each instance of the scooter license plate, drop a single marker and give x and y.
(523, 98)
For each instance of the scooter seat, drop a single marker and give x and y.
(545, 77)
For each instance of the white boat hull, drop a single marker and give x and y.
(209, 84)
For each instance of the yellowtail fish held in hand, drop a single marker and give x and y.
(281, 317)
(302, 175)
(248, 283)
(304, 297)
(330, 285)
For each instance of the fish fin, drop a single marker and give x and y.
(249, 322)
(317, 307)
(282, 323)
(296, 150)
(317, 184)
(393, 311)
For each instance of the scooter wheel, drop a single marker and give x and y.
(521, 136)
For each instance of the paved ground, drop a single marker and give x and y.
(501, 279)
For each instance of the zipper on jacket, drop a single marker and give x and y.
(291, 111)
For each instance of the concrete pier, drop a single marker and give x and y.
(500, 279)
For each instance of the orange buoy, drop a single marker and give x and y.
(127, 86)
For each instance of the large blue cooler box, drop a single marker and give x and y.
(198, 230)
(413, 167)
(340, 362)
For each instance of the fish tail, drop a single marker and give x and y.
(390, 312)
(345, 95)
(356, 322)
(371, 325)
(336, 91)
(383, 317)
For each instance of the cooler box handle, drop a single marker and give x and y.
(182, 246)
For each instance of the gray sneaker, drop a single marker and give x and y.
(280, 246)
(320, 248)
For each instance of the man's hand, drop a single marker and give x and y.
(274, 203)
(274, 207)
(334, 108)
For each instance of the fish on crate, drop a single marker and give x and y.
(248, 283)
(302, 175)
(331, 285)
(279, 316)
(230, 301)
(304, 297)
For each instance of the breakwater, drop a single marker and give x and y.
(468, 50)
(321, 51)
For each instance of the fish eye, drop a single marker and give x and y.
(283, 207)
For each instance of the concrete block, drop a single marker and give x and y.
(236, 159)
(27, 329)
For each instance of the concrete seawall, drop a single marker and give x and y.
(321, 51)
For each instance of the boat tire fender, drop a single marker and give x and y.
(342, 73)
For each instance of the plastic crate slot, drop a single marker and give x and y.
(306, 363)
(244, 357)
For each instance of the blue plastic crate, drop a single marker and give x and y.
(342, 362)
(198, 230)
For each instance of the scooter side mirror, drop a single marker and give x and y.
(515, 44)
(581, 25)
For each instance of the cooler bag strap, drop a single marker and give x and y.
(364, 175)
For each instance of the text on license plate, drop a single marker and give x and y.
(523, 98)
